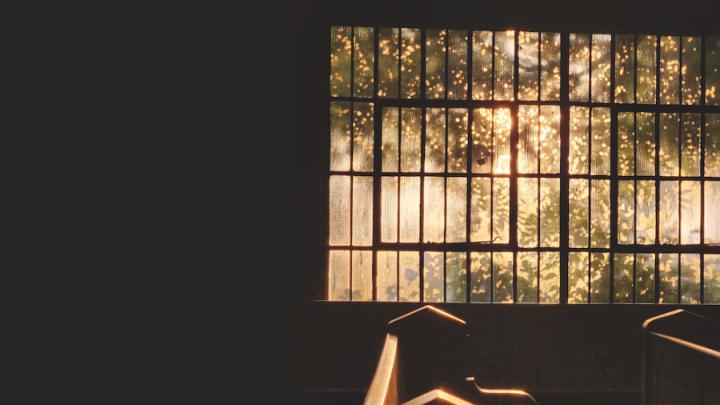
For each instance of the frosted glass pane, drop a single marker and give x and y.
(668, 278)
(669, 212)
(600, 81)
(712, 279)
(600, 213)
(528, 148)
(600, 277)
(550, 212)
(549, 139)
(409, 276)
(502, 124)
(528, 74)
(339, 135)
(340, 51)
(691, 75)
(504, 64)
(364, 61)
(363, 137)
(456, 209)
(480, 214)
(502, 265)
(669, 70)
(388, 62)
(435, 63)
(480, 276)
(387, 276)
(712, 212)
(669, 144)
(527, 212)
(690, 159)
(578, 215)
(482, 65)
(339, 203)
(645, 144)
(434, 215)
(690, 212)
(550, 277)
(455, 273)
(712, 70)
(409, 209)
(646, 63)
(578, 277)
(579, 79)
(410, 54)
(433, 269)
(550, 66)
(527, 277)
(579, 140)
(435, 140)
(362, 275)
(457, 140)
(457, 65)
(389, 209)
(600, 130)
(482, 138)
(712, 145)
(690, 279)
(624, 68)
(339, 275)
(645, 215)
(410, 139)
(390, 139)
(626, 140)
(623, 272)
(501, 210)
(645, 277)
(362, 211)
(626, 211)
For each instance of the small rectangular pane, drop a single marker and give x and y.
(645, 277)
(482, 140)
(434, 215)
(339, 275)
(645, 215)
(390, 139)
(549, 212)
(600, 277)
(363, 61)
(433, 270)
(528, 47)
(457, 140)
(502, 124)
(645, 144)
(362, 275)
(669, 144)
(600, 80)
(410, 129)
(482, 65)
(480, 214)
(435, 63)
(455, 276)
(690, 212)
(600, 131)
(712, 212)
(626, 211)
(527, 212)
(578, 215)
(339, 135)
(363, 137)
(690, 159)
(668, 278)
(409, 209)
(646, 55)
(389, 209)
(504, 65)
(435, 140)
(456, 209)
(669, 212)
(579, 140)
(340, 51)
(579, 78)
(387, 276)
(362, 211)
(457, 65)
(388, 62)
(624, 68)
(712, 70)
(690, 279)
(409, 276)
(480, 277)
(578, 277)
(528, 147)
(550, 277)
(550, 66)
(626, 140)
(600, 213)
(339, 192)
(527, 277)
(410, 54)
(623, 277)
(712, 144)
(549, 139)
(502, 267)
(501, 210)
(712, 279)
(691, 75)
(669, 70)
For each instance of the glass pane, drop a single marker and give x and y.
(362, 211)
(690, 159)
(455, 270)
(410, 139)
(626, 139)
(409, 209)
(645, 144)
(600, 130)
(669, 144)
(549, 139)
(578, 215)
(457, 140)
(691, 73)
(669, 211)
(410, 62)
(712, 212)
(480, 276)
(339, 135)
(527, 212)
(528, 123)
(528, 65)
(482, 140)
(387, 276)
(339, 192)
(363, 137)
(502, 124)
(623, 272)
(626, 211)
(390, 139)
(600, 277)
(388, 62)
(645, 277)
(579, 79)
(456, 209)
(527, 277)
(480, 213)
(690, 212)
(645, 216)
(433, 269)
(435, 140)
(549, 212)
(389, 209)
(668, 274)
(457, 65)
(646, 48)
(482, 65)
(339, 275)
(362, 275)
(669, 70)
(550, 277)
(712, 71)
(363, 62)
(435, 63)
(624, 68)
(502, 265)
(504, 61)
(501, 210)
(601, 68)
(690, 279)
(340, 51)
(550, 66)
(578, 277)
(712, 144)
(409, 276)
(600, 213)
(579, 140)
(434, 215)
(712, 279)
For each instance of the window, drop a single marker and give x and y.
(513, 166)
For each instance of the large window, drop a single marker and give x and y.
(512, 166)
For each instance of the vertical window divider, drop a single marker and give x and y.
(680, 183)
(657, 171)
(377, 163)
(423, 112)
(564, 152)
(589, 182)
(635, 187)
(468, 168)
(703, 49)
(513, 197)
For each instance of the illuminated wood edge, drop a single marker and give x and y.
(437, 394)
(689, 345)
(648, 321)
(432, 308)
(380, 388)
(514, 392)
